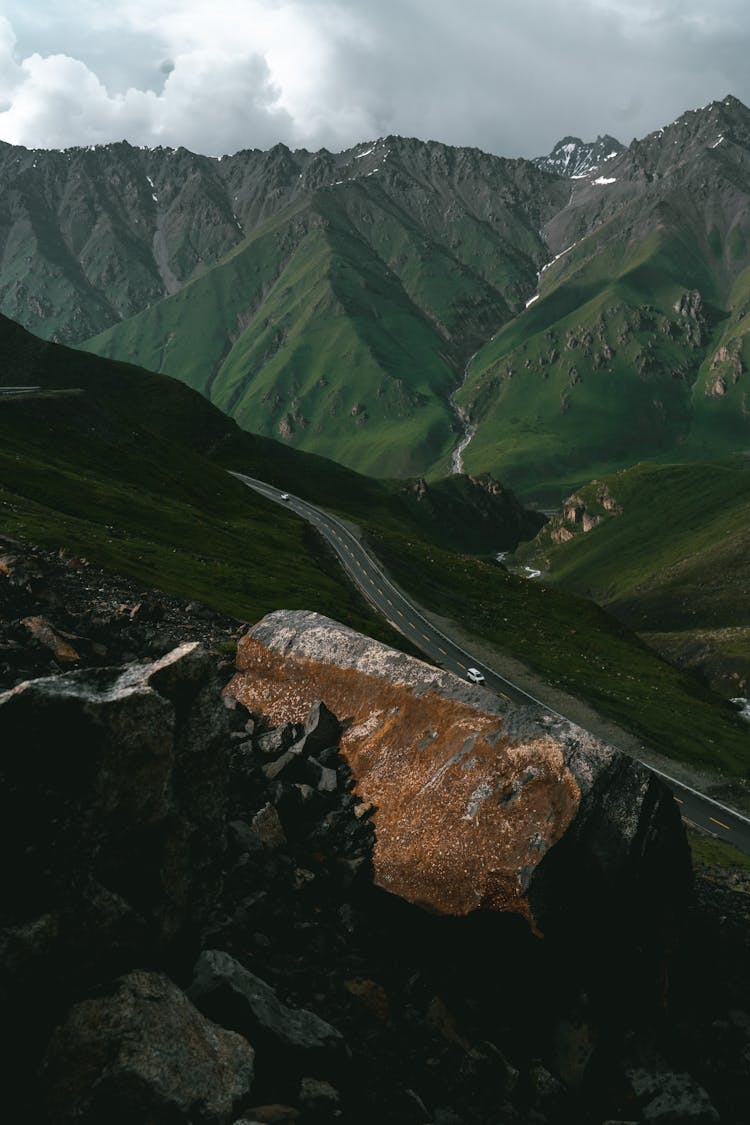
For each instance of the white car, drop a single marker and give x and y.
(474, 675)
(285, 496)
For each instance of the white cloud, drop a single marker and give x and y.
(212, 100)
(511, 77)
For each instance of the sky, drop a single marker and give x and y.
(509, 76)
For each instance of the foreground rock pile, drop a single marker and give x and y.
(57, 612)
(191, 927)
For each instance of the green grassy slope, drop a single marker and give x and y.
(635, 347)
(153, 452)
(670, 557)
(604, 369)
(477, 515)
(342, 324)
(126, 474)
(574, 644)
(282, 339)
(120, 474)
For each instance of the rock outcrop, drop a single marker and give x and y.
(236, 998)
(143, 1052)
(111, 813)
(478, 803)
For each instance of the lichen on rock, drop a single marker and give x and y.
(470, 792)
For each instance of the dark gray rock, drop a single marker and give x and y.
(319, 1098)
(242, 838)
(322, 730)
(278, 739)
(227, 993)
(143, 1052)
(282, 763)
(671, 1098)
(267, 827)
(113, 793)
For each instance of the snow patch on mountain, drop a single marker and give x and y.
(576, 159)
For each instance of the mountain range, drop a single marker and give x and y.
(558, 318)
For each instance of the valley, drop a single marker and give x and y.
(374, 584)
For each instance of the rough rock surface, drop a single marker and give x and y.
(236, 998)
(49, 597)
(478, 803)
(454, 1020)
(143, 1052)
(118, 775)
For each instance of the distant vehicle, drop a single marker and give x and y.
(474, 675)
(285, 496)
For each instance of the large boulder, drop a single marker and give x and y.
(142, 1052)
(112, 802)
(479, 803)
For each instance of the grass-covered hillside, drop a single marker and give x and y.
(334, 301)
(342, 323)
(573, 644)
(123, 466)
(119, 472)
(127, 468)
(635, 345)
(665, 548)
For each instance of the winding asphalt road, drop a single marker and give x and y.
(400, 611)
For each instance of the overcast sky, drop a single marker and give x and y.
(511, 76)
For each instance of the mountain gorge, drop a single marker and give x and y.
(314, 297)
(565, 317)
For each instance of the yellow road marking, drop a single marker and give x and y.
(720, 824)
(372, 581)
(389, 601)
(679, 800)
(398, 611)
(359, 564)
(504, 696)
(380, 591)
(425, 637)
(442, 650)
(460, 664)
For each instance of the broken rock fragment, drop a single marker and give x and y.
(143, 1052)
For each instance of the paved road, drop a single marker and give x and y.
(400, 611)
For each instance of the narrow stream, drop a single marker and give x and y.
(468, 427)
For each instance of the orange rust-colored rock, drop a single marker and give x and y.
(468, 798)
(46, 634)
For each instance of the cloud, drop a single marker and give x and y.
(211, 100)
(509, 76)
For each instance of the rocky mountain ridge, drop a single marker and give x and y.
(634, 344)
(114, 228)
(339, 301)
(574, 158)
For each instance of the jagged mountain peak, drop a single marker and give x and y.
(718, 130)
(573, 158)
